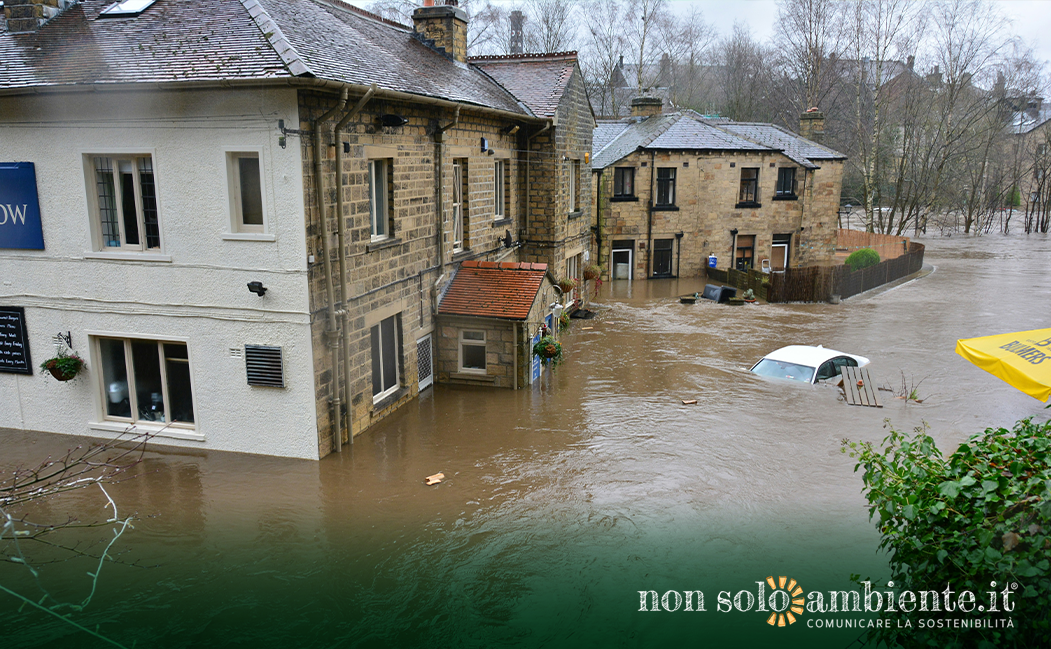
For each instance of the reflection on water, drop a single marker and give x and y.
(562, 502)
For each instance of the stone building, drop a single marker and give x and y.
(675, 189)
(247, 223)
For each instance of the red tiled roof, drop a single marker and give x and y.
(489, 289)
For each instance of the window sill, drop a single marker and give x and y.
(389, 400)
(665, 208)
(786, 197)
(748, 205)
(504, 221)
(160, 430)
(624, 199)
(575, 215)
(470, 376)
(461, 254)
(373, 246)
(129, 256)
(248, 236)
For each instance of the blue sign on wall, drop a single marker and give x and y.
(19, 207)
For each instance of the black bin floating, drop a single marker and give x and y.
(721, 294)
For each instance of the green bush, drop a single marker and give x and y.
(981, 515)
(862, 258)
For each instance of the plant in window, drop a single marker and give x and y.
(592, 272)
(63, 366)
(549, 350)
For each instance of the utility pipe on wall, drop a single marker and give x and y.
(331, 332)
(439, 172)
(649, 218)
(342, 254)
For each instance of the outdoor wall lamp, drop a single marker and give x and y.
(257, 288)
(556, 309)
(733, 233)
(392, 120)
(507, 240)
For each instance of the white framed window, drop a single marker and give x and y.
(472, 352)
(123, 192)
(500, 190)
(380, 198)
(573, 272)
(245, 177)
(459, 208)
(386, 346)
(574, 179)
(145, 381)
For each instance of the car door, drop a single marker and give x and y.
(827, 370)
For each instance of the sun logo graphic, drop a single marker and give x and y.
(786, 598)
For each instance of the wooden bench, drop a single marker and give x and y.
(859, 388)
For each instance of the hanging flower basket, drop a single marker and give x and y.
(64, 367)
(549, 350)
(563, 321)
(592, 272)
(567, 284)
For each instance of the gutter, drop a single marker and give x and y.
(342, 253)
(649, 218)
(331, 330)
(439, 174)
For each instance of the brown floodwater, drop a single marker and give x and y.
(562, 502)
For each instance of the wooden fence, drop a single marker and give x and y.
(819, 283)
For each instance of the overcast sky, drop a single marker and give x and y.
(1031, 19)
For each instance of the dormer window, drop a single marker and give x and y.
(126, 9)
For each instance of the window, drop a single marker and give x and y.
(744, 258)
(460, 224)
(472, 352)
(749, 186)
(574, 181)
(1041, 149)
(786, 182)
(146, 380)
(573, 272)
(623, 182)
(666, 186)
(124, 9)
(385, 346)
(126, 202)
(246, 192)
(500, 190)
(380, 198)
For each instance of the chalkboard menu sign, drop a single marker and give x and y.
(14, 343)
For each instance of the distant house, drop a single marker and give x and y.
(1031, 132)
(247, 215)
(674, 190)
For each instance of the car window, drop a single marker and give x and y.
(844, 361)
(827, 371)
(783, 370)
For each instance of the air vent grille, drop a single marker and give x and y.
(264, 366)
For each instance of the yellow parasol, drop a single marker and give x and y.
(1023, 359)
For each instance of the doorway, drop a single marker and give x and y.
(622, 259)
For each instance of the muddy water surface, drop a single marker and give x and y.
(560, 502)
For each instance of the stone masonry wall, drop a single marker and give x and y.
(706, 195)
(396, 276)
(555, 233)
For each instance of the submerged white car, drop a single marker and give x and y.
(806, 363)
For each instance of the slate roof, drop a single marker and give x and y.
(689, 131)
(1025, 122)
(489, 289)
(799, 149)
(681, 131)
(175, 41)
(539, 80)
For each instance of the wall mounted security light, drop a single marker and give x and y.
(507, 240)
(257, 288)
(485, 145)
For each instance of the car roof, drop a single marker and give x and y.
(809, 356)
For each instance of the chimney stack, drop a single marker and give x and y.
(517, 22)
(28, 15)
(812, 125)
(446, 26)
(646, 106)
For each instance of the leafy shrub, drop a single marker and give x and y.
(981, 515)
(862, 258)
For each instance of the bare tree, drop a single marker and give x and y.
(807, 35)
(744, 77)
(551, 25)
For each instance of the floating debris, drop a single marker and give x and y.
(689, 402)
(435, 479)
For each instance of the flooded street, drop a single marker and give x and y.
(560, 503)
